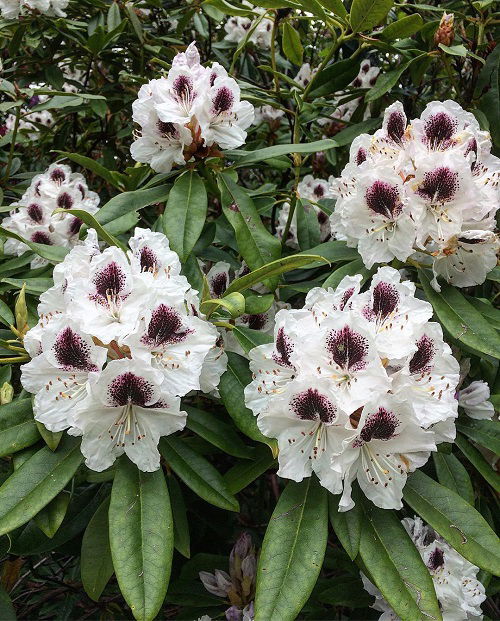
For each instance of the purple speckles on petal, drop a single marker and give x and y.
(35, 213)
(223, 100)
(218, 284)
(346, 296)
(167, 130)
(129, 389)
(385, 299)
(439, 185)
(165, 328)
(439, 130)
(319, 191)
(381, 425)
(421, 361)
(361, 156)
(72, 352)
(40, 237)
(148, 260)
(183, 87)
(64, 201)
(255, 322)
(75, 226)
(284, 347)
(383, 198)
(110, 280)
(312, 405)
(347, 348)
(396, 125)
(436, 559)
(57, 175)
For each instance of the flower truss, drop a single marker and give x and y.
(356, 386)
(309, 189)
(120, 339)
(12, 9)
(33, 216)
(237, 28)
(188, 113)
(458, 590)
(29, 122)
(430, 187)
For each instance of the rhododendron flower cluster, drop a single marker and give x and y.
(238, 27)
(12, 9)
(429, 187)
(309, 189)
(120, 339)
(29, 121)
(33, 216)
(356, 386)
(189, 113)
(458, 590)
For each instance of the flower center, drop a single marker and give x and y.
(439, 185)
(72, 352)
(129, 389)
(383, 198)
(422, 358)
(312, 405)
(347, 348)
(165, 328)
(379, 426)
(284, 347)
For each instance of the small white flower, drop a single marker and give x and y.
(475, 401)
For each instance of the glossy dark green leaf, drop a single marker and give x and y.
(479, 462)
(395, 565)
(454, 519)
(209, 427)
(37, 482)
(292, 551)
(246, 471)
(404, 27)
(92, 223)
(484, 432)
(141, 537)
(334, 78)
(126, 202)
(17, 427)
(460, 319)
(365, 14)
(308, 231)
(292, 46)
(389, 79)
(50, 518)
(86, 162)
(197, 473)
(245, 158)
(185, 213)
(231, 388)
(452, 474)
(51, 253)
(248, 338)
(96, 564)
(349, 269)
(179, 515)
(346, 524)
(33, 285)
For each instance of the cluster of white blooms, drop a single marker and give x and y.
(305, 75)
(186, 113)
(459, 592)
(29, 121)
(120, 339)
(356, 386)
(309, 189)
(33, 216)
(268, 114)
(237, 28)
(219, 278)
(12, 9)
(430, 186)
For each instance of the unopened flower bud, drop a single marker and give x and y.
(21, 312)
(218, 583)
(6, 393)
(445, 32)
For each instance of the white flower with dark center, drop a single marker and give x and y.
(304, 75)
(389, 443)
(218, 279)
(237, 28)
(475, 401)
(32, 216)
(356, 386)
(459, 592)
(126, 411)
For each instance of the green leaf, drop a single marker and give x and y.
(37, 482)
(389, 79)
(111, 177)
(185, 213)
(255, 242)
(460, 319)
(292, 552)
(51, 438)
(248, 338)
(349, 269)
(402, 28)
(365, 14)
(332, 251)
(334, 78)
(479, 462)
(51, 253)
(308, 231)
(7, 611)
(346, 524)
(135, 21)
(395, 565)
(234, 303)
(275, 268)
(17, 427)
(257, 304)
(484, 432)
(292, 47)
(347, 135)
(245, 472)
(452, 474)
(454, 50)
(127, 202)
(197, 473)
(92, 223)
(96, 564)
(335, 6)
(454, 519)
(245, 158)
(141, 537)
(50, 518)
(231, 388)
(114, 18)
(179, 515)
(33, 285)
(209, 427)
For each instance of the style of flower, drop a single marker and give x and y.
(188, 113)
(459, 592)
(434, 186)
(356, 386)
(119, 341)
(33, 217)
